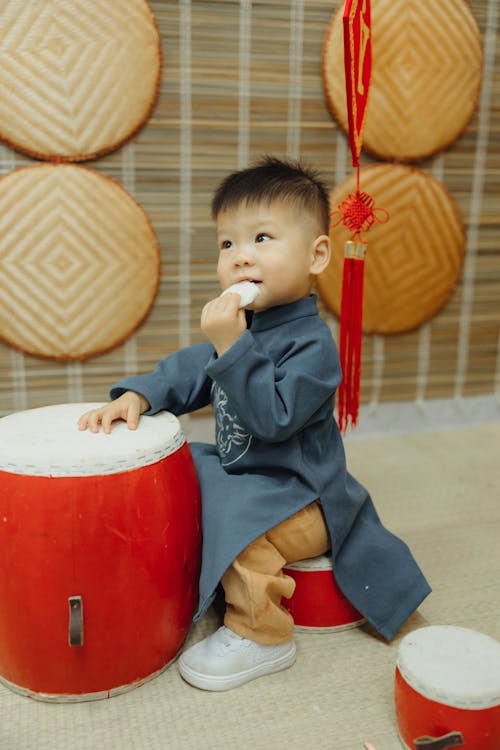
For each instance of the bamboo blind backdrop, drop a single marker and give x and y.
(240, 79)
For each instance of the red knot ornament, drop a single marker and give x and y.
(357, 212)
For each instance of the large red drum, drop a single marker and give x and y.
(99, 552)
(317, 604)
(447, 689)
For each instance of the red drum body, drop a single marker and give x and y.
(317, 603)
(447, 687)
(99, 552)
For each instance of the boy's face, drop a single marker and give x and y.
(274, 245)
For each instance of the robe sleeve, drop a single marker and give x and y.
(179, 384)
(275, 400)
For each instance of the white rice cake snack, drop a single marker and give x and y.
(247, 290)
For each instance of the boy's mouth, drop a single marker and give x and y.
(245, 278)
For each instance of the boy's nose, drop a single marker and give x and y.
(244, 258)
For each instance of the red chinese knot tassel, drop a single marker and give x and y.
(357, 212)
(351, 331)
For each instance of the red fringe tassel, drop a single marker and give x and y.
(351, 332)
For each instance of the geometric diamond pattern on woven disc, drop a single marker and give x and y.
(426, 76)
(413, 262)
(81, 76)
(79, 261)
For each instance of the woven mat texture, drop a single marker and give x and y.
(81, 76)
(411, 267)
(442, 498)
(79, 263)
(240, 79)
(426, 76)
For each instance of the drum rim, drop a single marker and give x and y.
(84, 697)
(329, 628)
(314, 564)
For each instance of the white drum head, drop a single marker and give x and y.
(451, 665)
(47, 442)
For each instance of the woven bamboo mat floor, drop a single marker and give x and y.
(440, 491)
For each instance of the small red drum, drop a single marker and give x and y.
(447, 689)
(317, 603)
(99, 552)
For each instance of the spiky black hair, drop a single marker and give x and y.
(272, 179)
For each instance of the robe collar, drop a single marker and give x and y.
(275, 316)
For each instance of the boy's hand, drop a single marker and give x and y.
(128, 407)
(223, 321)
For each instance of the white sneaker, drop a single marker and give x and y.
(225, 660)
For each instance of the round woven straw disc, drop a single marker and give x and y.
(426, 75)
(82, 76)
(413, 261)
(79, 261)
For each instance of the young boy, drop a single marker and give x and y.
(275, 487)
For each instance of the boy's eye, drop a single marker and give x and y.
(226, 245)
(262, 237)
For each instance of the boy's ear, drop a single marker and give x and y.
(321, 253)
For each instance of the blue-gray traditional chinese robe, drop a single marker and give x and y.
(277, 449)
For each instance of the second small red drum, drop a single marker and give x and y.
(317, 603)
(447, 689)
(99, 552)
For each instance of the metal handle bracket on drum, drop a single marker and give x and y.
(75, 635)
(452, 739)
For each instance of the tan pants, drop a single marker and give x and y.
(255, 582)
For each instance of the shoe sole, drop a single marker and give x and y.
(227, 682)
